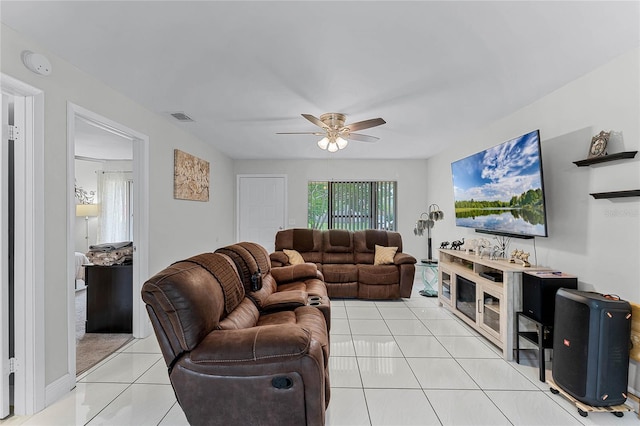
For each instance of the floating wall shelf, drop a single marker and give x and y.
(605, 158)
(616, 194)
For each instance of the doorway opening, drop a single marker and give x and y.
(104, 217)
(108, 235)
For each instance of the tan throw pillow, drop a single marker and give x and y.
(384, 255)
(295, 258)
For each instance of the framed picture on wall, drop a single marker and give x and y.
(190, 177)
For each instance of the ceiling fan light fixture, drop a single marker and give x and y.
(336, 133)
(323, 143)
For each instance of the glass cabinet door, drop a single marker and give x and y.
(444, 287)
(490, 312)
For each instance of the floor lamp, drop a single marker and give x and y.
(86, 210)
(426, 221)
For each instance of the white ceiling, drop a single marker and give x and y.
(95, 142)
(434, 70)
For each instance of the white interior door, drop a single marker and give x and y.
(4, 276)
(28, 394)
(262, 208)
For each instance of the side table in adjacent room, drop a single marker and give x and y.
(109, 298)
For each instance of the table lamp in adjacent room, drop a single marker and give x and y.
(86, 210)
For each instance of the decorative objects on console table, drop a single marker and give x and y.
(501, 247)
(482, 245)
(457, 244)
(520, 256)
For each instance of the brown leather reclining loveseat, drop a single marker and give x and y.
(347, 261)
(231, 362)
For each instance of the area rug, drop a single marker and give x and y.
(94, 347)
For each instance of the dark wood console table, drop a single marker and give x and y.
(109, 298)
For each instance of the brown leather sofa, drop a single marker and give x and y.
(346, 260)
(279, 289)
(230, 362)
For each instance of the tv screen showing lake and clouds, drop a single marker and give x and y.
(501, 189)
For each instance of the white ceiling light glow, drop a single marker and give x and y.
(332, 143)
(323, 143)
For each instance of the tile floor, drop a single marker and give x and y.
(406, 362)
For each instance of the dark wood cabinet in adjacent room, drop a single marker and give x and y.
(109, 298)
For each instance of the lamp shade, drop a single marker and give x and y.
(86, 210)
(323, 143)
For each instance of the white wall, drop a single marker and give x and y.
(410, 175)
(597, 240)
(177, 228)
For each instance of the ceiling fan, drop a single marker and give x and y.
(336, 133)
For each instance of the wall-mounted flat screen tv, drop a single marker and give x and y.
(501, 190)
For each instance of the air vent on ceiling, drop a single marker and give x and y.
(181, 116)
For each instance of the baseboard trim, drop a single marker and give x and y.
(59, 389)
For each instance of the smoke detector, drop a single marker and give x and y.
(36, 62)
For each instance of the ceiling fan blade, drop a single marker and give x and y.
(315, 120)
(301, 133)
(361, 138)
(365, 124)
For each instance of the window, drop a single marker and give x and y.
(115, 196)
(352, 205)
